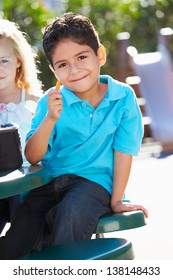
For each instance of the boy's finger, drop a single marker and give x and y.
(55, 95)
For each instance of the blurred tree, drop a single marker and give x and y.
(141, 18)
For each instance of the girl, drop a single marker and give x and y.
(20, 89)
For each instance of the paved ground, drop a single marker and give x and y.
(151, 184)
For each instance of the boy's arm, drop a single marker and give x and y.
(37, 144)
(122, 167)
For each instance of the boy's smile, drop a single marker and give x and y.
(78, 68)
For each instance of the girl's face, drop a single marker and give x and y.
(77, 66)
(8, 65)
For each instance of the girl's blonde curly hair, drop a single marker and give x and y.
(27, 73)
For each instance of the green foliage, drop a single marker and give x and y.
(141, 18)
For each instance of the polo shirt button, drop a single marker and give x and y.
(91, 116)
(83, 104)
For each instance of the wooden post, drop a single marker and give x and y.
(164, 36)
(122, 61)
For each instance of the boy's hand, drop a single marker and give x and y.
(120, 207)
(54, 104)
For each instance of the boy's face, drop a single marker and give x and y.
(77, 66)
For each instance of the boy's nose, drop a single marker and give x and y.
(74, 68)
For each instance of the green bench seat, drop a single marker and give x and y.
(94, 249)
(99, 248)
(119, 221)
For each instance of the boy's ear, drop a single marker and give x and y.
(101, 53)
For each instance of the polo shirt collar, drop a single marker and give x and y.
(69, 96)
(115, 91)
(115, 88)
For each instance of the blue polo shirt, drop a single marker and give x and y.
(84, 138)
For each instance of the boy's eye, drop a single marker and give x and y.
(82, 57)
(62, 65)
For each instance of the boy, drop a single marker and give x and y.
(86, 132)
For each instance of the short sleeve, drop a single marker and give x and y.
(129, 134)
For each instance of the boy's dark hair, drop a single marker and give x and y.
(73, 26)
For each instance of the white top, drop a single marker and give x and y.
(17, 114)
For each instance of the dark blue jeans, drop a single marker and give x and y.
(67, 209)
